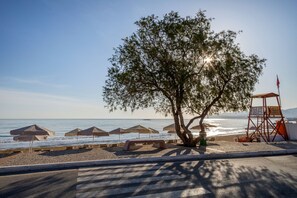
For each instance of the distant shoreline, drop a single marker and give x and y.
(147, 119)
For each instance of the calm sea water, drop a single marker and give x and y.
(61, 126)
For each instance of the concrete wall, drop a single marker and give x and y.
(292, 130)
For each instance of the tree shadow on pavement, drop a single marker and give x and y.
(215, 178)
(135, 152)
(47, 184)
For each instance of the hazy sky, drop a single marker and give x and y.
(54, 53)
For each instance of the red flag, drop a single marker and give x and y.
(277, 81)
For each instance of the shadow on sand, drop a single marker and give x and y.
(64, 152)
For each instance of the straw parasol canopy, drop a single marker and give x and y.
(206, 125)
(93, 131)
(139, 129)
(153, 130)
(74, 132)
(32, 130)
(170, 127)
(24, 138)
(31, 133)
(118, 131)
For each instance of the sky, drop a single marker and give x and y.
(54, 53)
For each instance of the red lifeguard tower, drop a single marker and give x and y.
(266, 121)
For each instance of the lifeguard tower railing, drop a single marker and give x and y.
(266, 122)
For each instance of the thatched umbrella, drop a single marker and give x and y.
(32, 138)
(171, 127)
(153, 130)
(93, 131)
(139, 129)
(32, 130)
(31, 133)
(118, 131)
(74, 132)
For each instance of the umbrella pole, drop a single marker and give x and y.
(31, 145)
(138, 135)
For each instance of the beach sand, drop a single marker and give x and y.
(229, 138)
(46, 157)
(221, 144)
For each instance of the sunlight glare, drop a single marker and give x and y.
(208, 60)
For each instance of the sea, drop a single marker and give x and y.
(224, 126)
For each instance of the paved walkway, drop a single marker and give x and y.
(274, 176)
(151, 180)
(246, 177)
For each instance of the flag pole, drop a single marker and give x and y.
(277, 84)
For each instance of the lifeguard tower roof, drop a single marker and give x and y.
(265, 95)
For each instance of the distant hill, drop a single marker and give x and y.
(288, 113)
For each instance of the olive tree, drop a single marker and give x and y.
(181, 66)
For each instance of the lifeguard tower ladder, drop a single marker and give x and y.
(266, 121)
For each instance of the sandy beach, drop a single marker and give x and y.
(220, 144)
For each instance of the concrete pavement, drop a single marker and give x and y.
(241, 177)
(42, 184)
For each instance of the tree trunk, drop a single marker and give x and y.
(177, 128)
(202, 133)
(185, 135)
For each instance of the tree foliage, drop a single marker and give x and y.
(179, 65)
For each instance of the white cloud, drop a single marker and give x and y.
(36, 82)
(21, 104)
